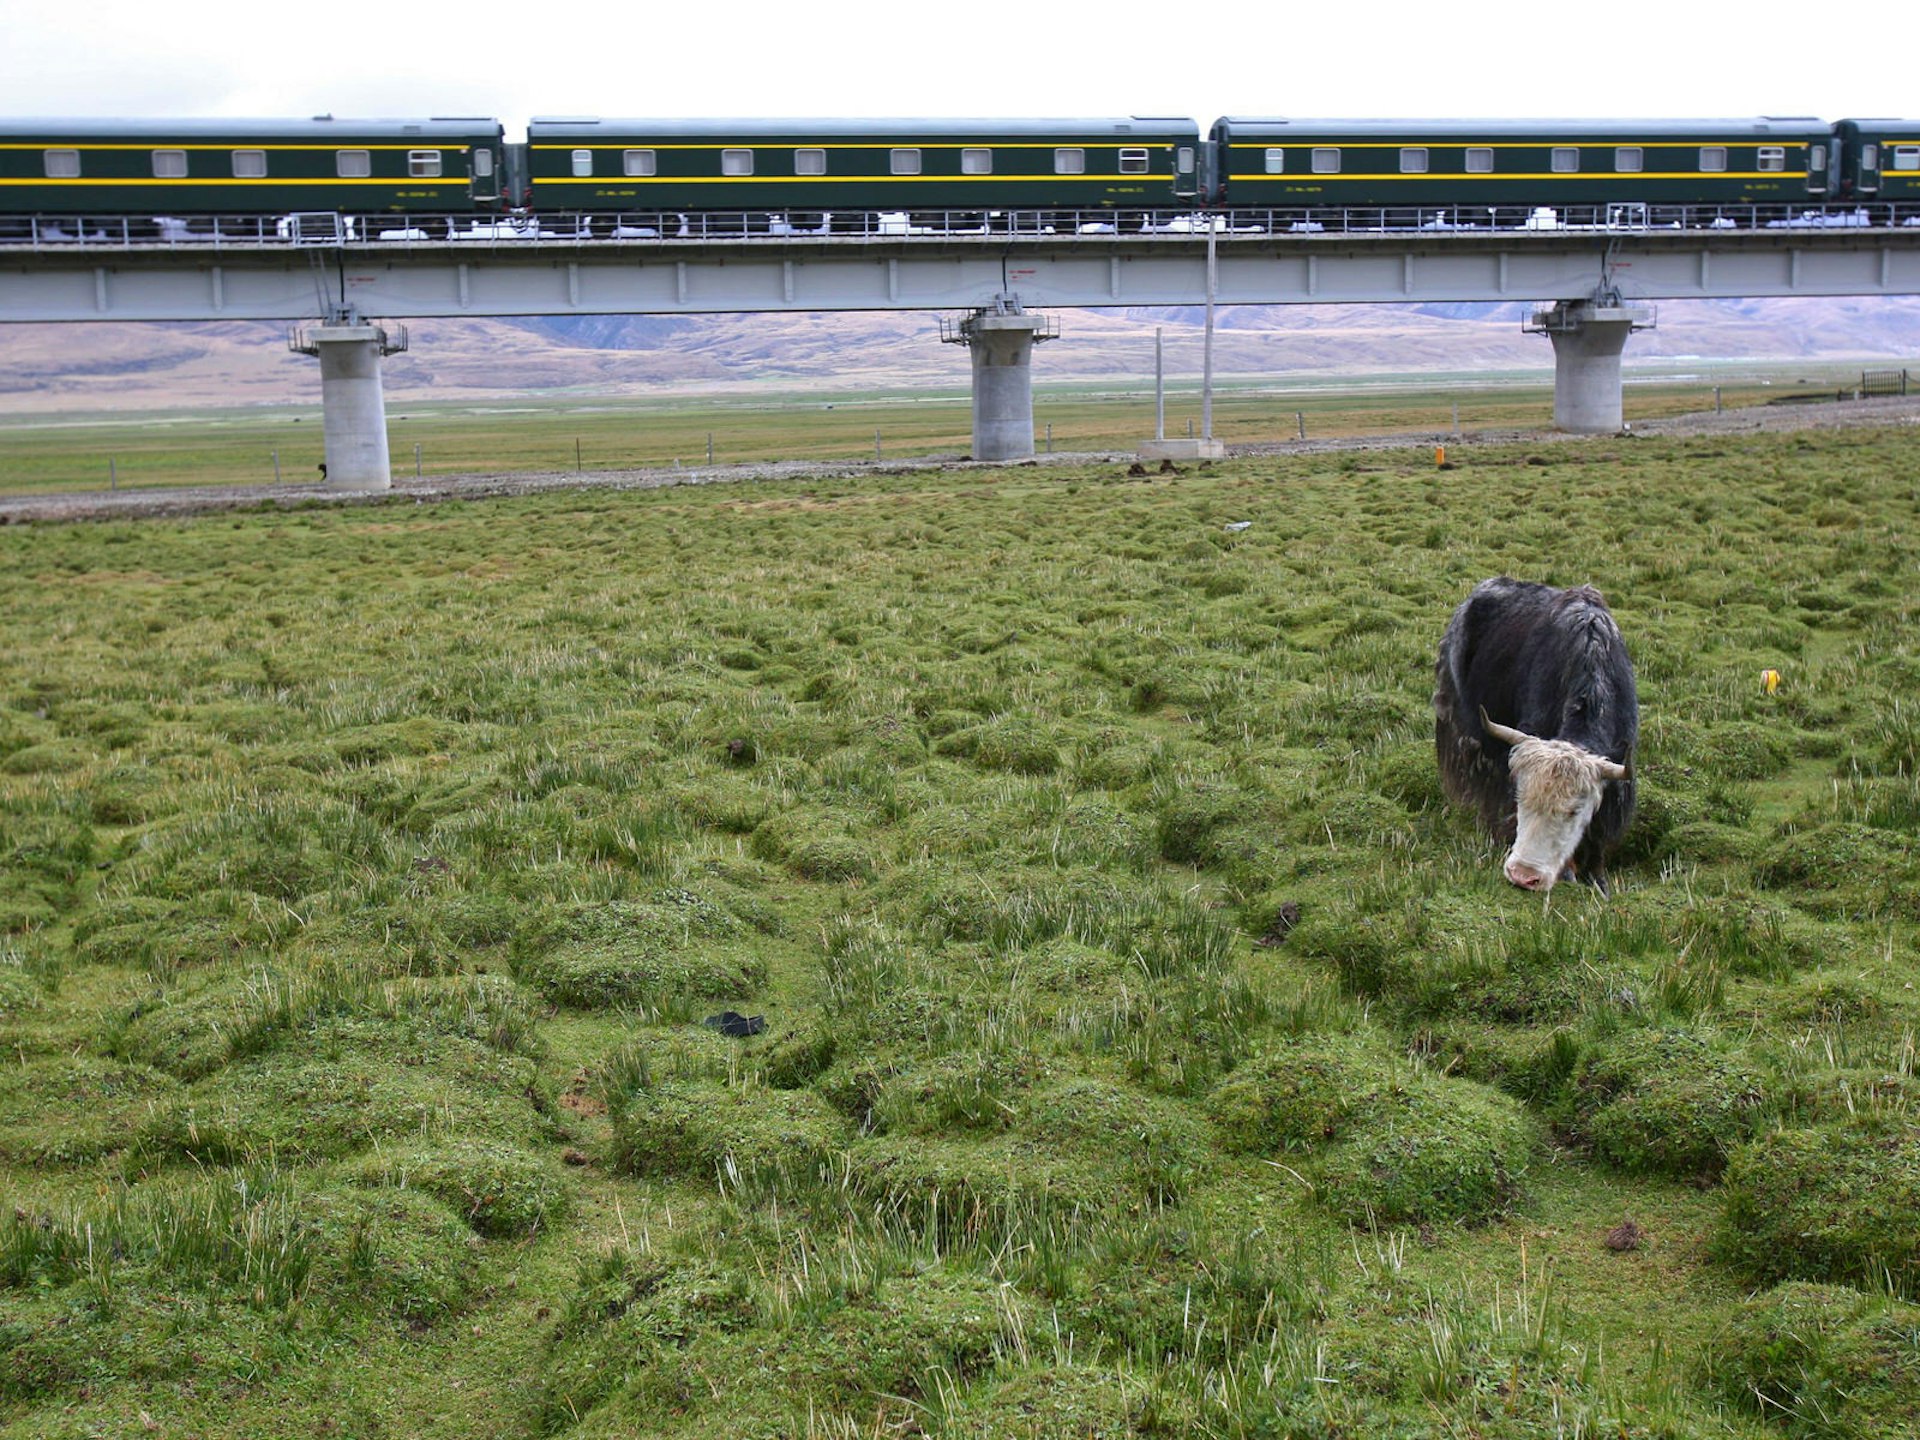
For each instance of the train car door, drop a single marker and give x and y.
(1186, 171)
(484, 179)
(1867, 177)
(1817, 167)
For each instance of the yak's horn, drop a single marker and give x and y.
(1502, 732)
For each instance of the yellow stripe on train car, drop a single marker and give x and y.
(1628, 177)
(611, 178)
(269, 182)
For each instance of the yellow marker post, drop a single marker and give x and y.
(1770, 680)
(1440, 457)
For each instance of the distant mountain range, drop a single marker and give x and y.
(151, 367)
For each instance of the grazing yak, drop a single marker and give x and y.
(1535, 719)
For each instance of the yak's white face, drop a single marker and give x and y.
(1557, 786)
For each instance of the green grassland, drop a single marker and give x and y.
(43, 453)
(1148, 1050)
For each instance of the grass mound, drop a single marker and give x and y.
(337, 1084)
(668, 952)
(701, 1129)
(1300, 1097)
(815, 845)
(1832, 1203)
(1822, 1360)
(1430, 1151)
(1382, 1143)
(502, 1191)
(1666, 1102)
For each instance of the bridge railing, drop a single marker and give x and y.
(67, 234)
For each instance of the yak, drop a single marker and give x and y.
(1535, 719)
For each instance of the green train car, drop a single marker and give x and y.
(1501, 169)
(805, 170)
(1879, 159)
(154, 168)
(76, 180)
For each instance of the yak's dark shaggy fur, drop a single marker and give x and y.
(1547, 662)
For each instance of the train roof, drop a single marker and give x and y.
(1252, 127)
(55, 128)
(585, 126)
(1880, 125)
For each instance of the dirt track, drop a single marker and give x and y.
(142, 504)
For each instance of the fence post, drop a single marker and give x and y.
(416, 459)
(709, 447)
(276, 467)
(1300, 422)
(113, 474)
(577, 465)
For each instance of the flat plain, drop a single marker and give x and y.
(1147, 1049)
(84, 451)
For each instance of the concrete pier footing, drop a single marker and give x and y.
(1194, 448)
(1588, 338)
(1001, 338)
(353, 406)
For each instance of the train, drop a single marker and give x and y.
(588, 176)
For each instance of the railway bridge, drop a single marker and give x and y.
(1593, 278)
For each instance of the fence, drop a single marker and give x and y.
(326, 230)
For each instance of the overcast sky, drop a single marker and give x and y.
(1382, 58)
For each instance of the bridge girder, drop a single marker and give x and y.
(419, 280)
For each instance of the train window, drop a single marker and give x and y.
(639, 162)
(976, 161)
(1566, 159)
(1070, 161)
(1869, 157)
(169, 164)
(352, 164)
(1770, 157)
(1817, 159)
(1479, 159)
(1712, 158)
(63, 164)
(1629, 158)
(581, 162)
(249, 164)
(1413, 159)
(423, 164)
(736, 162)
(904, 161)
(1133, 162)
(1906, 157)
(1326, 159)
(1276, 161)
(810, 161)
(482, 163)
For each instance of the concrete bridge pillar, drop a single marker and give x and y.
(353, 406)
(1001, 338)
(1588, 337)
